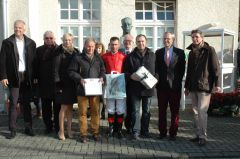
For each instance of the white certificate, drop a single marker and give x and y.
(92, 87)
(147, 79)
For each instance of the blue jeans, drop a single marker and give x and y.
(140, 125)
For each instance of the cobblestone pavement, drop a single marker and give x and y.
(223, 142)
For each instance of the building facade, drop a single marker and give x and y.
(101, 19)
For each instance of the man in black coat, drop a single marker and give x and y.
(84, 66)
(140, 56)
(16, 73)
(170, 66)
(44, 72)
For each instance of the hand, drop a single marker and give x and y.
(186, 92)
(83, 82)
(217, 90)
(135, 77)
(101, 80)
(5, 82)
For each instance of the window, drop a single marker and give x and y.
(148, 31)
(91, 9)
(153, 18)
(165, 11)
(91, 32)
(69, 9)
(144, 11)
(80, 18)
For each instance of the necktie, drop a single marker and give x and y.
(168, 57)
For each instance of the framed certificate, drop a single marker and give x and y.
(147, 79)
(93, 87)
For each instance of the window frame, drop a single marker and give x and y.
(80, 23)
(155, 23)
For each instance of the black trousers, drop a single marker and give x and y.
(128, 119)
(49, 107)
(21, 95)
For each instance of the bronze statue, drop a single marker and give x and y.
(126, 25)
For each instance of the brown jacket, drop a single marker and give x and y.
(203, 69)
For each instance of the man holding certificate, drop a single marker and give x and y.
(85, 68)
(139, 94)
(113, 61)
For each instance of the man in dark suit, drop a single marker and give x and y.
(16, 73)
(170, 66)
(44, 71)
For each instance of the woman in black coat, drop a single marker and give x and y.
(65, 86)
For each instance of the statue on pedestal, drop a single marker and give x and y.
(126, 27)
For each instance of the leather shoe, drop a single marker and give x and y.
(162, 136)
(95, 137)
(145, 135)
(172, 138)
(84, 139)
(12, 135)
(29, 132)
(129, 131)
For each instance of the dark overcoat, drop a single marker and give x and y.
(44, 70)
(65, 86)
(9, 60)
(132, 63)
(175, 70)
(83, 67)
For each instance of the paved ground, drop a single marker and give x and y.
(223, 132)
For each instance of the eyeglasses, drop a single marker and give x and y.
(48, 38)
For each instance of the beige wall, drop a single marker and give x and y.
(38, 16)
(17, 10)
(189, 16)
(48, 18)
(112, 13)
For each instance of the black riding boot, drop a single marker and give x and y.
(110, 132)
(120, 123)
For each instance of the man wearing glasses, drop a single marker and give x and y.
(44, 67)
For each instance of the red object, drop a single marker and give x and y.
(114, 62)
(110, 119)
(172, 99)
(120, 120)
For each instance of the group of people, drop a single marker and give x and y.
(61, 72)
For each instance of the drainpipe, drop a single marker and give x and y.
(5, 26)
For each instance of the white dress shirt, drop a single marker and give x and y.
(21, 53)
